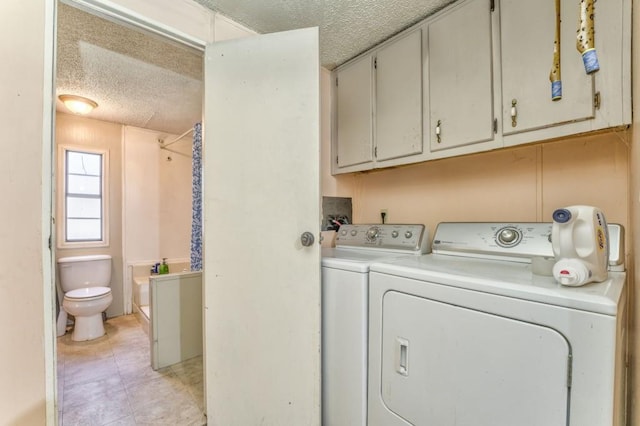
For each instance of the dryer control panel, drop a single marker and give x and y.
(400, 237)
(494, 238)
(519, 241)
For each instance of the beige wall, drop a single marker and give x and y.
(517, 184)
(141, 195)
(175, 199)
(94, 134)
(157, 196)
(23, 273)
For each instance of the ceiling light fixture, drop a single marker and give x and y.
(78, 104)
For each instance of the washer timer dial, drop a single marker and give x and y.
(372, 233)
(508, 236)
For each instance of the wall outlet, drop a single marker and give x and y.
(384, 216)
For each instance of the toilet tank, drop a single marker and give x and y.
(84, 271)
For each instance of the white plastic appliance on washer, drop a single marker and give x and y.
(470, 336)
(345, 278)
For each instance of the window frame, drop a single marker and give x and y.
(62, 242)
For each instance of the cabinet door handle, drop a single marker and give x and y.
(514, 113)
(438, 130)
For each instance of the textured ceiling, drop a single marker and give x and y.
(144, 81)
(347, 27)
(136, 79)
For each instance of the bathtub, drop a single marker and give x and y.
(141, 301)
(141, 294)
(137, 287)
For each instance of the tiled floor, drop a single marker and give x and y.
(109, 381)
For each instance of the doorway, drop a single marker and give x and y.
(149, 93)
(273, 168)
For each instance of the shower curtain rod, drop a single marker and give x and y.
(177, 139)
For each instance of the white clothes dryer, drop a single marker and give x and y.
(345, 280)
(469, 336)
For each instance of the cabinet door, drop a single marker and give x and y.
(460, 77)
(527, 31)
(399, 98)
(354, 105)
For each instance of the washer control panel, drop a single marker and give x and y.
(400, 237)
(524, 240)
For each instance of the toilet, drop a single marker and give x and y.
(85, 282)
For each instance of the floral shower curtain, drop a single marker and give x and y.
(196, 211)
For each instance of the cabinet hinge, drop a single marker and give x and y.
(492, 5)
(596, 100)
(375, 152)
(569, 370)
(337, 160)
(336, 81)
(495, 125)
(49, 242)
(375, 63)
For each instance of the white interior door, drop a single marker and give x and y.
(261, 189)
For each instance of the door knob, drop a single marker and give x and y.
(307, 239)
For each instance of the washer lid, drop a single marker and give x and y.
(353, 260)
(510, 279)
(87, 293)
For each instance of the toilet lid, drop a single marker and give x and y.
(86, 293)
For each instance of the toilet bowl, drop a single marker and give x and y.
(85, 282)
(87, 305)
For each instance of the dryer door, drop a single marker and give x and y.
(444, 365)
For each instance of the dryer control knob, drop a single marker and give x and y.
(372, 233)
(508, 237)
(408, 234)
(394, 234)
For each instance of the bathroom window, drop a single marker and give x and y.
(83, 198)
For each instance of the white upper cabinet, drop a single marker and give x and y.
(461, 76)
(354, 113)
(527, 35)
(398, 106)
(475, 77)
(379, 106)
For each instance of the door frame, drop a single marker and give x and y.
(159, 19)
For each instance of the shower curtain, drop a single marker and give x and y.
(196, 210)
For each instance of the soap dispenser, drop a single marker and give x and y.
(164, 268)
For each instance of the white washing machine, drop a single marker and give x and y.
(469, 336)
(345, 279)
